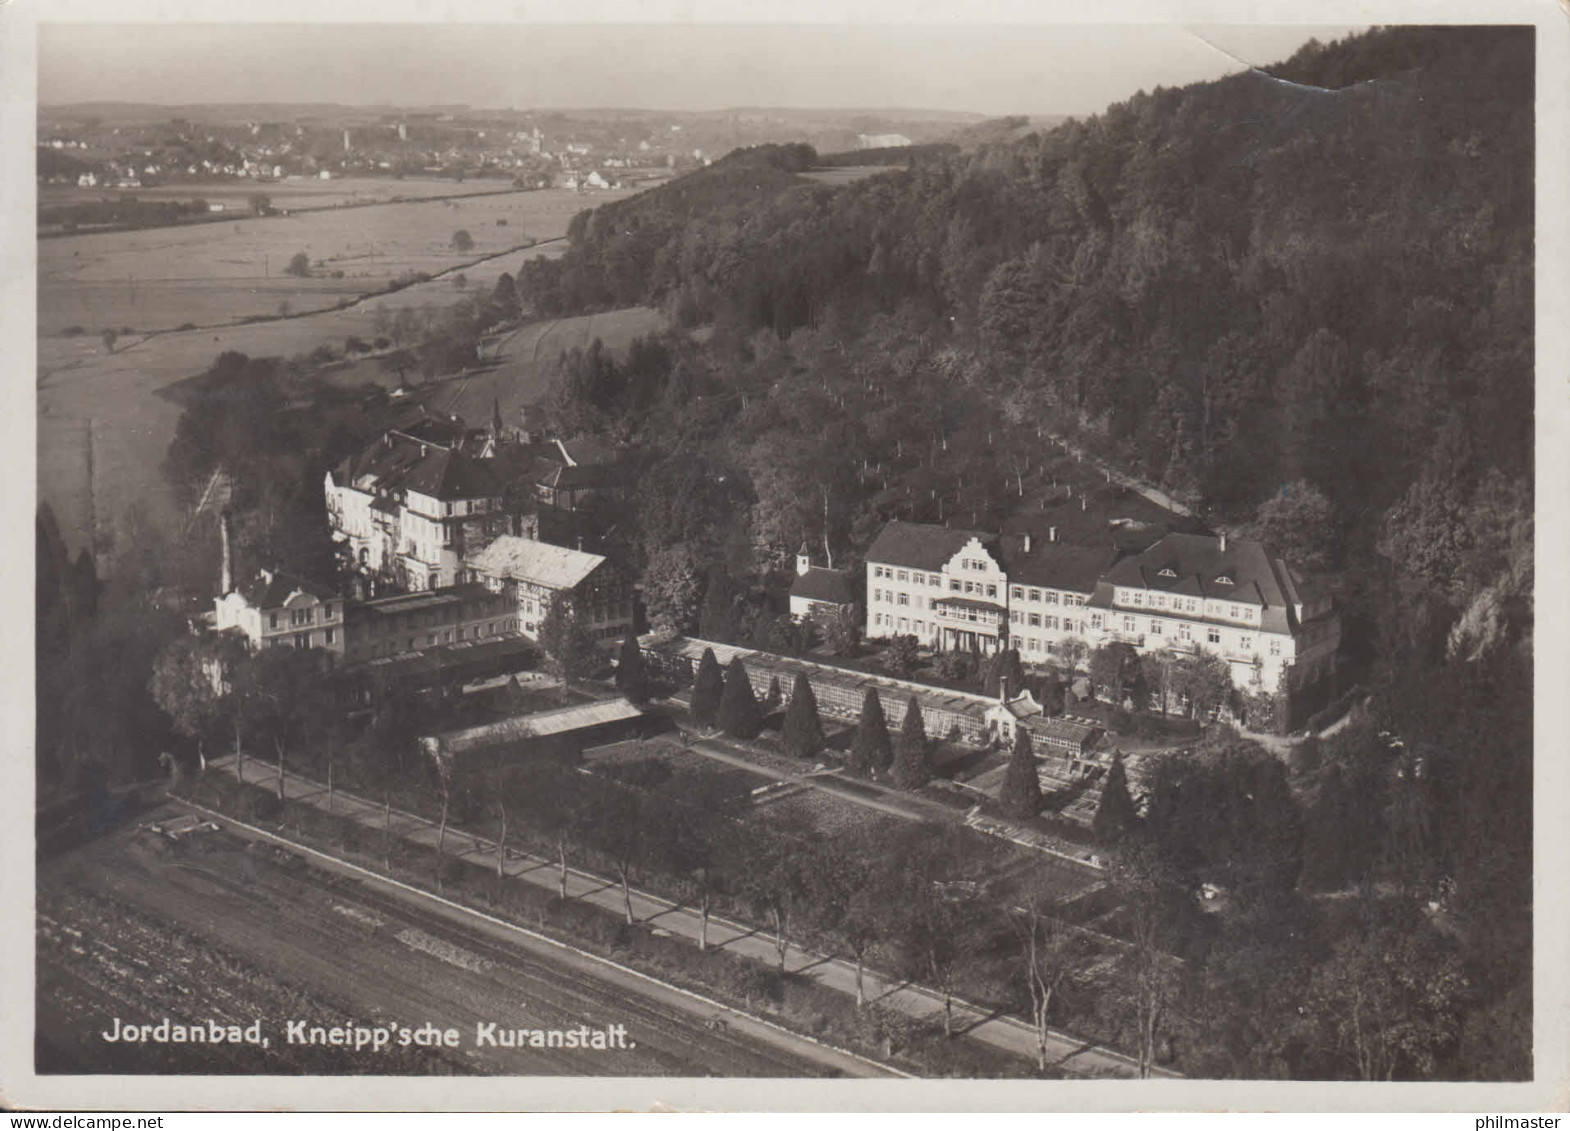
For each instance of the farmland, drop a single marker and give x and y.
(524, 363)
(848, 174)
(291, 193)
(212, 274)
(99, 419)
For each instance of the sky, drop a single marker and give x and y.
(990, 69)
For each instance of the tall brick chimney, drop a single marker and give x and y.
(226, 576)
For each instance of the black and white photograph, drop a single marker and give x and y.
(995, 551)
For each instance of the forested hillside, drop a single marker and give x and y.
(1238, 283)
(1319, 276)
(1301, 300)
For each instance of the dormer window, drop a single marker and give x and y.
(1168, 572)
(1224, 580)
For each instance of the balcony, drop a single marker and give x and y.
(968, 612)
(1137, 639)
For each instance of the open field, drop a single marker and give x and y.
(135, 927)
(216, 273)
(84, 389)
(844, 175)
(290, 193)
(526, 362)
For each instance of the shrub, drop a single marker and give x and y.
(265, 807)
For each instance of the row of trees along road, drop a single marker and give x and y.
(1263, 989)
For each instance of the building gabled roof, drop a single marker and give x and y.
(446, 475)
(539, 563)
(423, 427)
(1197, 565)
(562, 477)
(271, 589)
(542, 724)
(587, 451)
(395, 463)
(821, 584)
(1061, 729)
(1054, 565)
(920, 545)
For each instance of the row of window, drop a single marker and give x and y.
(302, 641)
(1138, 598)
(904, 624)
(1045, 596)
(1157, 627)
(1045, 620)
(973, 616)
(298, 617)
(913, 577)
(956, 585)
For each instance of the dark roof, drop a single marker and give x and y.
(1196, 565)
(424, 599)
(1055, 565)
(397, 463)
(1078, 734)
(589, 450)
(820, 584)
(447, 474)
(448, 432)
(270, 589)
(921, 545)
(562, 477)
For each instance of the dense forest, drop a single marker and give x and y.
(1297, 300)
(1302, 301)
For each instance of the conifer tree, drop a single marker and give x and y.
(911, 769)
(870, 750)
(1021, 792)
(1116, 815)
(1005, 665)
(739, 714)
(803, 732)
(707, 690)
(632, 677)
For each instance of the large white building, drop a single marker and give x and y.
(412, 505)
(972, 591)
(1226, 596)
(534, 575)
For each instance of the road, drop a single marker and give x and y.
(229, 925)
(1065, 1051)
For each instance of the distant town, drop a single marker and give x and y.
(104, 148)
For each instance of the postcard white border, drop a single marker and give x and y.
(1551, 1090)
